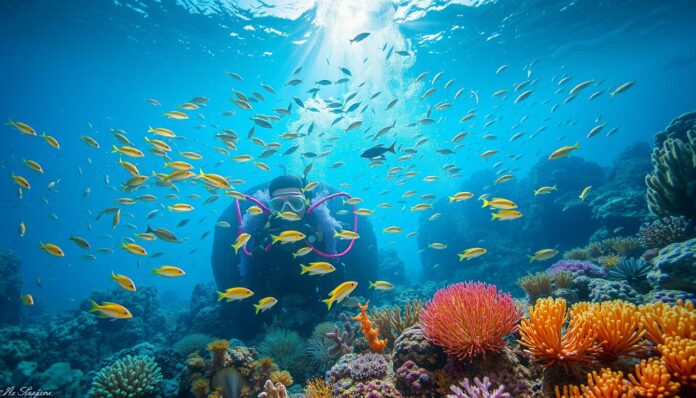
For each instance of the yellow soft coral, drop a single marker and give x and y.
(371, 334)
(679, 355)
(543, 338)
(200, 387)
(317, 388)
(662, 320)
(617, 325)
(607, 384)
(281, 376)
(218, 349)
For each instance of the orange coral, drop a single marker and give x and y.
(371, 334)
(543, 337)
(218, 349)
(617, 325)
(317, 388)
(200, 387)
(679, 355)
(661, 320)
(282, 377)
(607, 384)
(652, 379)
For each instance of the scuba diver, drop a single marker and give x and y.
(270, 268)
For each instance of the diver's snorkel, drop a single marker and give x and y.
(309, 210)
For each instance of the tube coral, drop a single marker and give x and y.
(371, 334)
(469, 319)
(679, 355)
(662, 320)
(217, 349)
(617, 326)
(543, 338)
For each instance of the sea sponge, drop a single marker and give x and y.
(218, 349)
(371, 334)
(470, 319)
(131, 376)
(670, 184)
(542, 335)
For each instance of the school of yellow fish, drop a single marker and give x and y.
(180, 168)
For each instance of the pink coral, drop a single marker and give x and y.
(470, 319)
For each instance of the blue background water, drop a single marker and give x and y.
(86, 67)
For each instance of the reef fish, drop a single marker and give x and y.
(340, 293)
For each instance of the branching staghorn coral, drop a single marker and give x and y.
(617, 326)
(536, 285)
(671, 184)
(542, 335)
(131, 376)
(393, 321)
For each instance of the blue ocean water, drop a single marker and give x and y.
(86, 68)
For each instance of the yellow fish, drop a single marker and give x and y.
(134, 248)
(288, 237)
(242, 158)
(474, 252)
(241, 241)
(81, 242)
(178, 165)
(123, 281)
(52, 249)
(503, 178)
(176, 115)
(438, 246)
(460, 196)
(499, 203)
(346, 235)
(146, 236)
(161, 145)
(22, 229)
(27, 299)
(434, 216)
(543, 255)
(191, 155)
(310, 186)
(381, 285)
(111, 310)
(215, 180)
(421, 207)
(90, 141)
(289, 216)
(363, 212)
(254, 211)
(302, 252)
(129, 167)
(161, 131)
(117, 219)
(50, 140)
(317, 268)
(265, 304)
(169, 271)
(352, 201)
(235, 293)
(33, 165)
(545, 190)
(22, 127)
(564, 151)
(262, 166)
(505, 215)
(21, 181)
(180, 207)
(340, 292)
(392, 230)
(128, 151)
(584, 192)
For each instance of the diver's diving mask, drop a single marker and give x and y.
(294, 202)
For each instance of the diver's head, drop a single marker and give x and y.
(287, 195)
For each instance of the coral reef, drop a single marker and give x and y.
(603, 290)
(413, 345)
(392, 321)
(671, 182)
(537, 285)
(578, 267)
(479, 389)
(317, 388)
(469, 319)
(414, 381)
(663, 231)
(370, 334)
(618, 327)
(271, 390)
(284, 346)
(344, 337)
(633, 271)
(368, 366)
(192, 343)
(130, 376)
(675, 267)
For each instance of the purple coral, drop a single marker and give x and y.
(415, 381)
(663, 231)
(343, 339)
(578, 267)
(373, 389)
(368, 366)
(480, 389)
